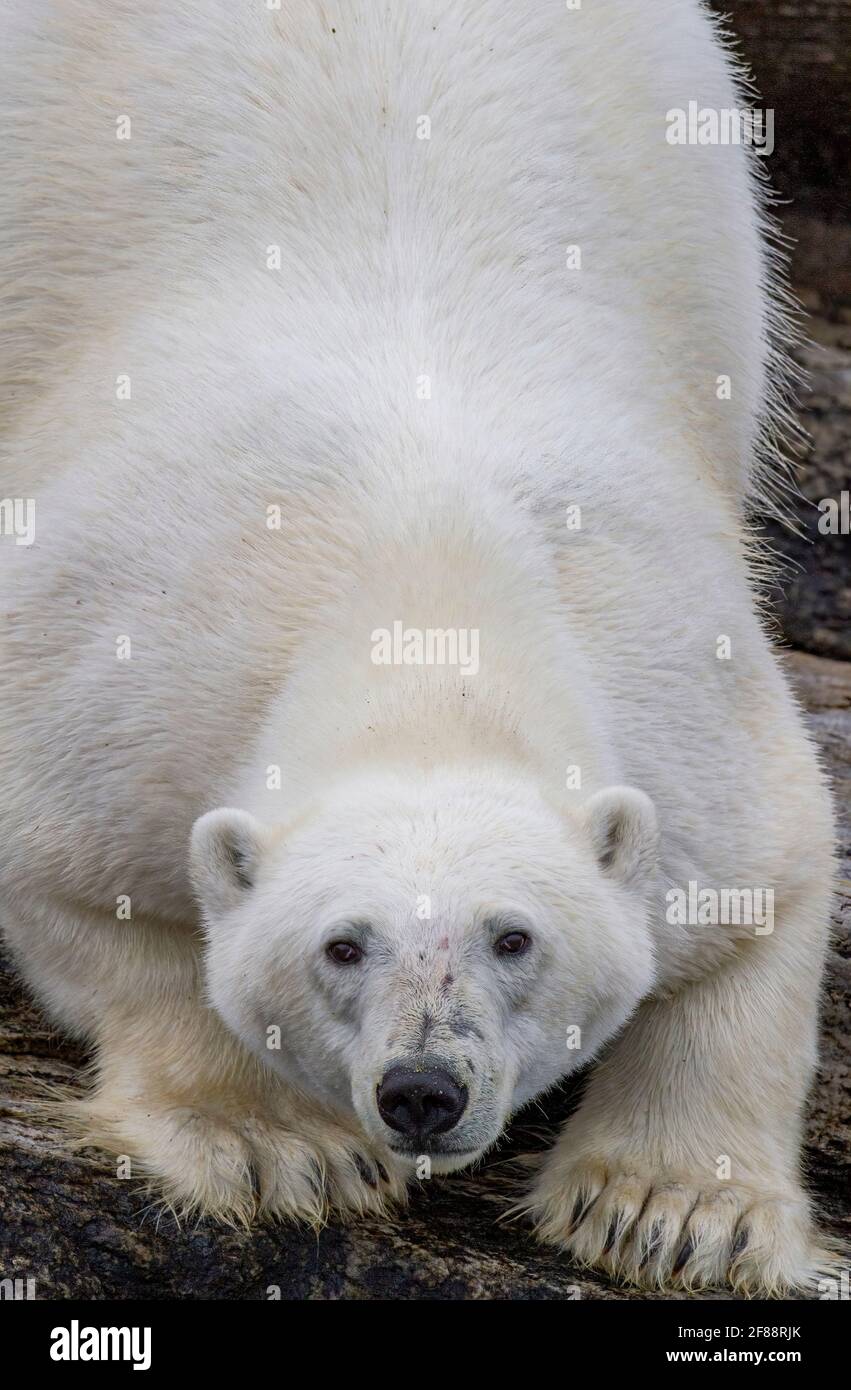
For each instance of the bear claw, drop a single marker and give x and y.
(685, 1234)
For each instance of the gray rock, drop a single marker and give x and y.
(811, 595)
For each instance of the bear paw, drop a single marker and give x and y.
(235, 1167)
(656, 1230)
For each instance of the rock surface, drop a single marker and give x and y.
(799, 52)
(812, 595)
(79, 1231)
(800, 55)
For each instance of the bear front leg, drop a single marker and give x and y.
(215, 1133)
(681, 1166)
(201, 1120)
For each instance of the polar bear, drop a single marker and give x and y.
(385, 390)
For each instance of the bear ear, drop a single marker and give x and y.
(624, 833)
(224, 856)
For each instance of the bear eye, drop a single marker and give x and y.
(343, 952)
(514, 943)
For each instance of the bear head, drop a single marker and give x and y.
(429, 950)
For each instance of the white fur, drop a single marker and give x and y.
(300, 387)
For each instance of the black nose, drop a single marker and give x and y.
(420, 1103)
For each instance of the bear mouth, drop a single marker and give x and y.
(414, 1151)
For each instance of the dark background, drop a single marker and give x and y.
(800, 55)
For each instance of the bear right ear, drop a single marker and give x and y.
(224, 856)
(624, 833)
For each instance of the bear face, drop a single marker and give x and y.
(432, 951)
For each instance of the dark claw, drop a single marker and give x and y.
(254, 1179)
(580, 1211)
(318, 1178)
(612, 1236)
(686, 1251)
(653, 1244)
(739, 1243)
(365, 1171)
(382, 1172)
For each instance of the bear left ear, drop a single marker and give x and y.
(624, 833)
(224, 856)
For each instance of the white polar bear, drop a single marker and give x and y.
(388, 388)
